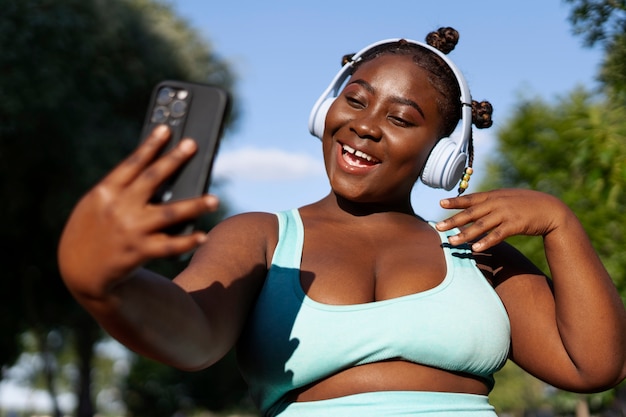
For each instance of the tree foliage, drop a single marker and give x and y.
(75, 78)
(598, 21)
(613, 71)
(152, 390)
(574, 149)
(603, 22)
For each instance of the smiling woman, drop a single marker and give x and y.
(277, 88)
(354, 305)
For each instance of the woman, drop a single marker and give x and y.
(354, 305)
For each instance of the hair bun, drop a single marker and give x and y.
(481, 114)
(443, 39)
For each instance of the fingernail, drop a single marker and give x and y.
(187, 145)
(211, 201)
(444, 203)
(161, 131)
(201, 238)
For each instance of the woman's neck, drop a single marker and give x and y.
(354, 208)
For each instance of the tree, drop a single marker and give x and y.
(603, 22)
(153, 390)
(598, 20)
(75, 77)
(574, 149)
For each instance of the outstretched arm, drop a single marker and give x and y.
(114, 230)
(572, 335)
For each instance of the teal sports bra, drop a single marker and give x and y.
(291, 340)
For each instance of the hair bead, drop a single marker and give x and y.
(465, 180)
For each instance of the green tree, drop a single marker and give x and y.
(575, 149)
(153, 390)
(598, 21)
(603, 23)
(75, 77)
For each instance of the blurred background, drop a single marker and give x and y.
(75, 77)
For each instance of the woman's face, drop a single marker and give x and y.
(380, 130)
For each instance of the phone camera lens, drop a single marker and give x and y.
(165, 95)
(160, 114)
(178, 108)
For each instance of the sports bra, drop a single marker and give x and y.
(291, 340)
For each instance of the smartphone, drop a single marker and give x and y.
(195, 111)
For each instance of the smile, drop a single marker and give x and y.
(357, 158)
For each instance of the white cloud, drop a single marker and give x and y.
(259, 164)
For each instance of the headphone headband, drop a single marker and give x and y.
(449, 161)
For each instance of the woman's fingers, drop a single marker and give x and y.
(484, 219)
(161, 216)
(158, 245)
(137, 161)
(488, 218)
(471, 208)
(163, 168)
(162, 245)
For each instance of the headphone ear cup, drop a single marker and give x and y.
(444, 166)
(317, 120)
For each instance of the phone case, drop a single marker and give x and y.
(195, 111)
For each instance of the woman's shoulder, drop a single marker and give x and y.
(241, 240)
(249, 225)
(502, 262)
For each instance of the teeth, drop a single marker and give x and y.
(357, 153)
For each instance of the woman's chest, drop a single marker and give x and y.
(355, 268)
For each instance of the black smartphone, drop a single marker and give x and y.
(195, 111)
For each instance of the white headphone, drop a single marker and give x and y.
(446, 162)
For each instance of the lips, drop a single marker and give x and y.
(356, 158)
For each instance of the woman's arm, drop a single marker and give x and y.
(113, 230)
(194, 320)
(570, 332)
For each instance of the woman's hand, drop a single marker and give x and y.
(114, 229)
(570, 331)
(488, 218)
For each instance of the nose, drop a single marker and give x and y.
(367, 127)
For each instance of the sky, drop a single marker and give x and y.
(285, 53)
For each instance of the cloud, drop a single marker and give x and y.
(259, 164)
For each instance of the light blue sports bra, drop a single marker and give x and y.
(290, 340)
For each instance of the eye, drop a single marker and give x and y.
(355, 101)
(400, 121)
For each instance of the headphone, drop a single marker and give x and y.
(446, 162)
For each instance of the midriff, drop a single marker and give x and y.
(393, 375)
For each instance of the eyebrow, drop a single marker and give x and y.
(395, 99)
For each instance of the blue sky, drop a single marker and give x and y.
(285, 53)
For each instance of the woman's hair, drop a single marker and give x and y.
(441, 77)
